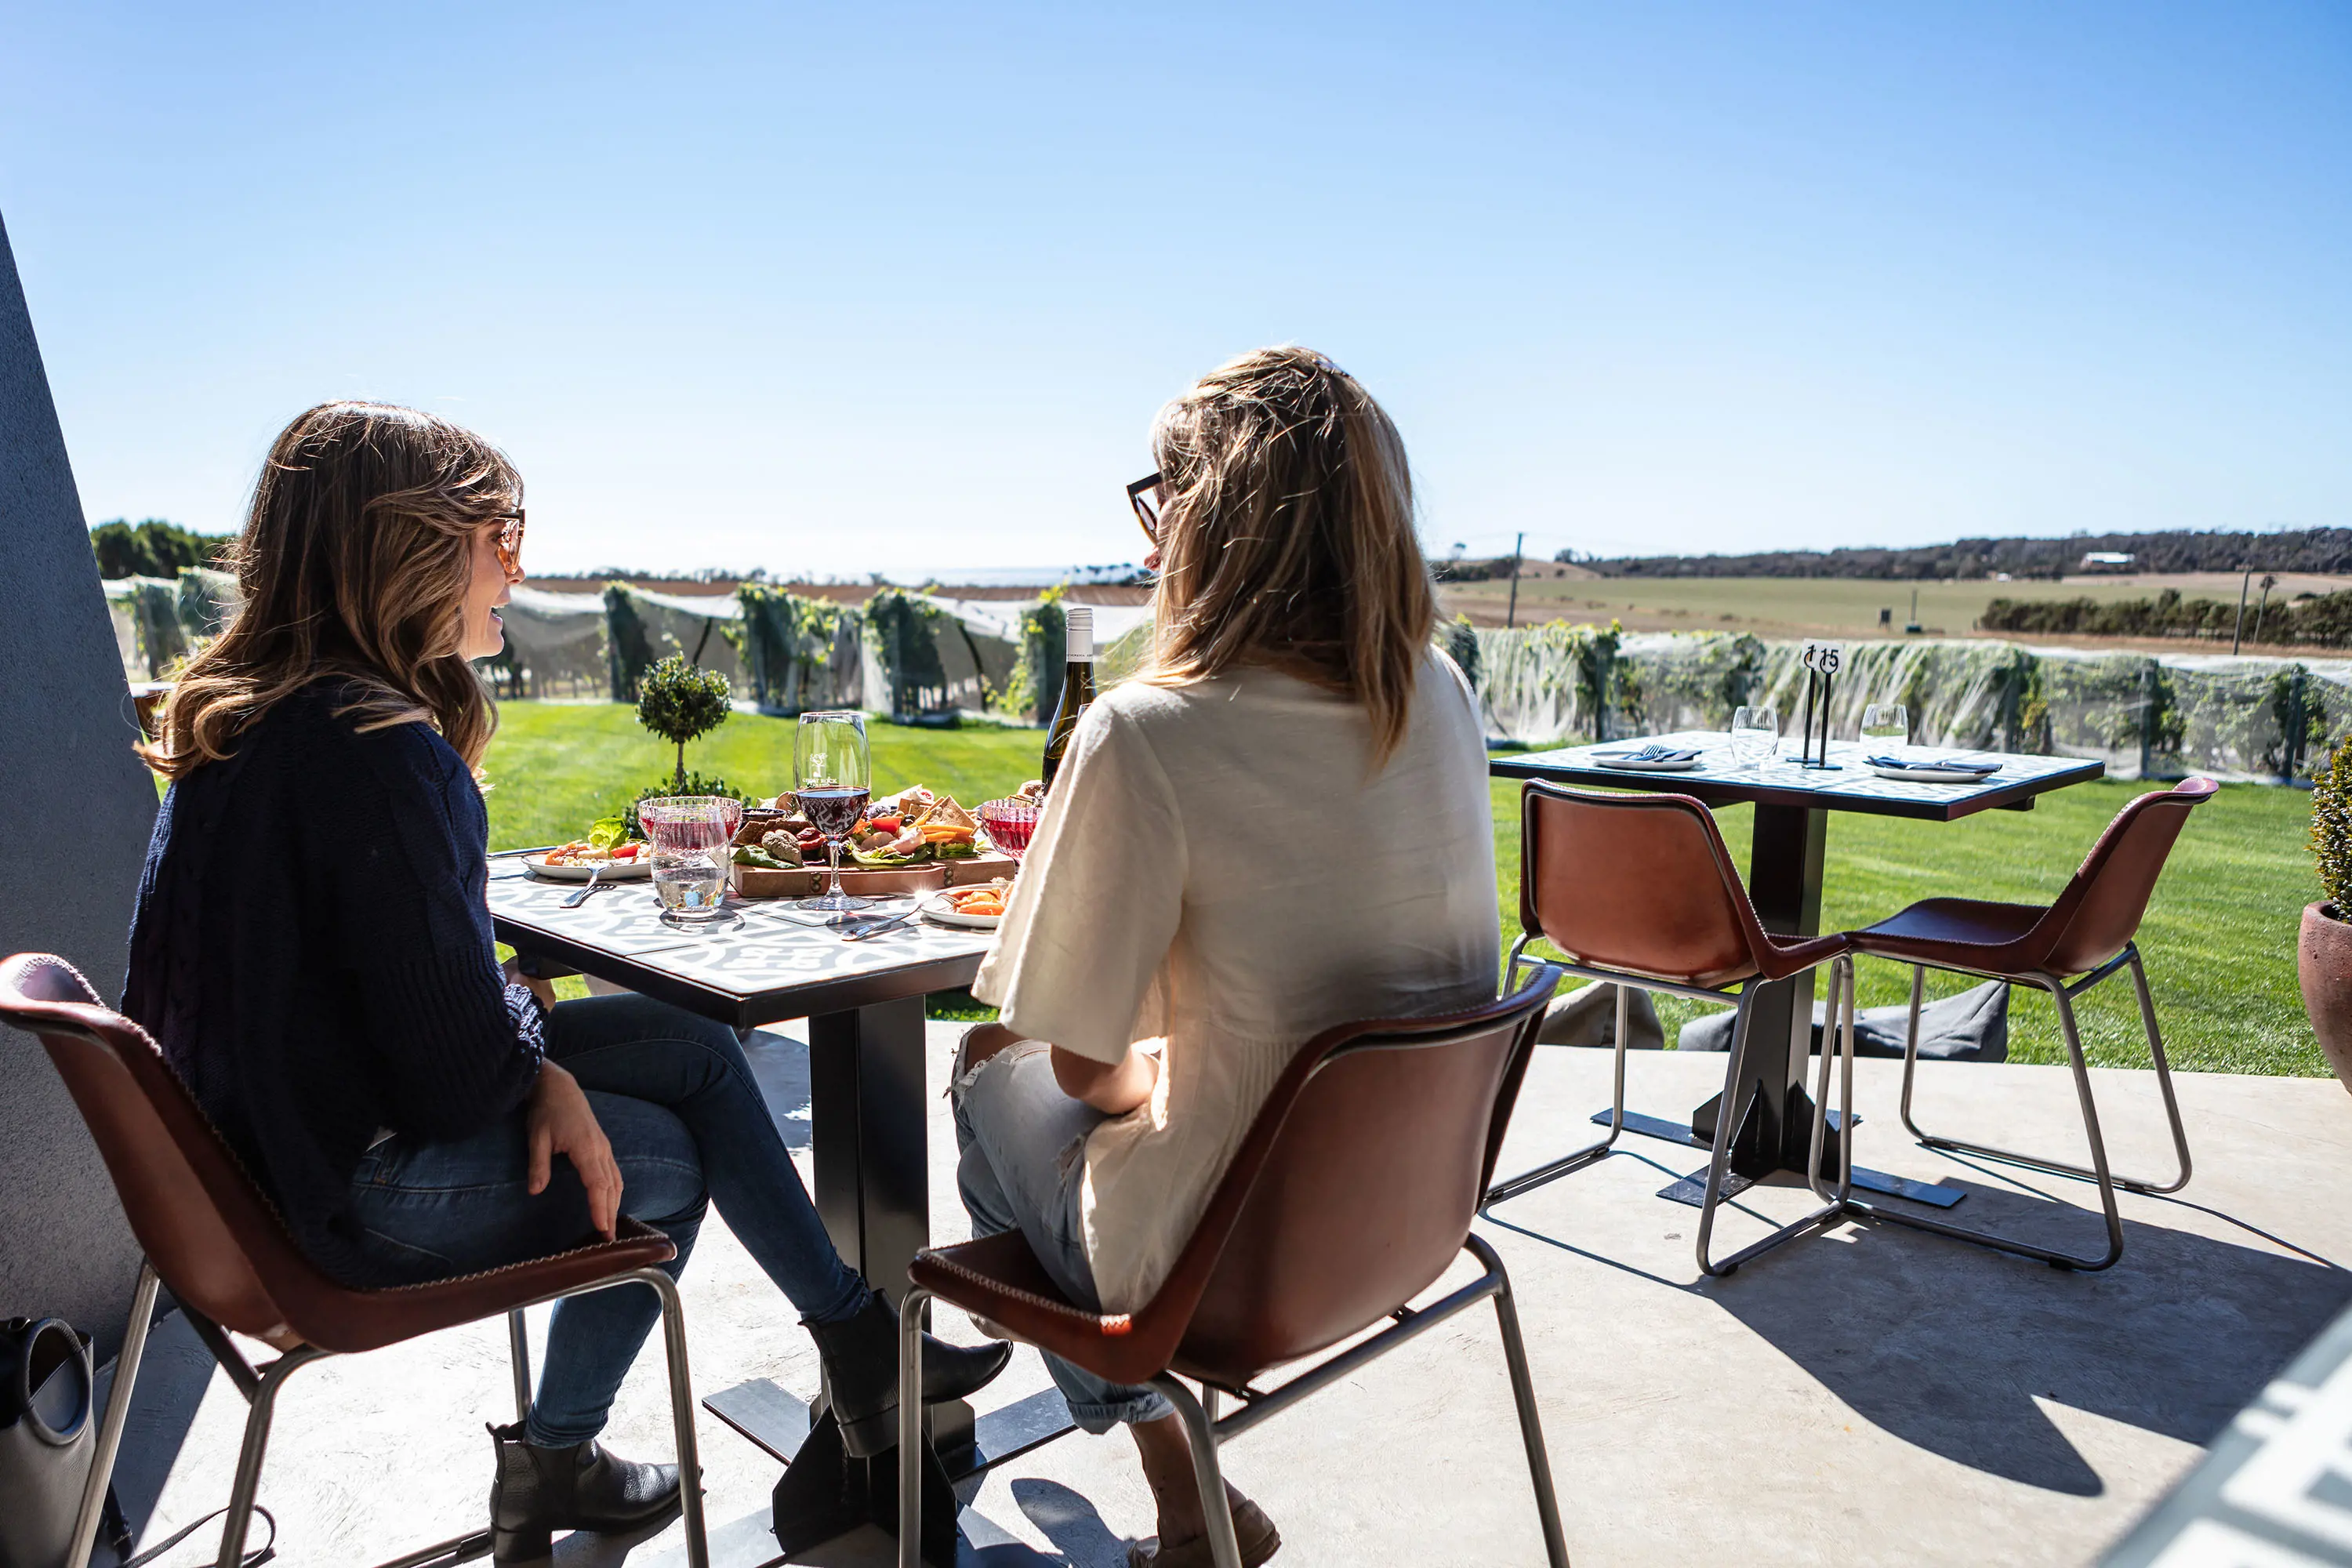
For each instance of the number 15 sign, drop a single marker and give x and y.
(1822, 660)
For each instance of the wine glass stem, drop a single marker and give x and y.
(833, 857)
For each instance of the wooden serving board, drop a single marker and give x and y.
(757, 882)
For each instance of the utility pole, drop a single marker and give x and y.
(2270, 581)
(2240, 627)
(1511, 615)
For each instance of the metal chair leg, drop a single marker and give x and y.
(1200, 1429)
(1527, 1181)
(1727, 1132)
(519, 1362)
(2097, 1172)
(910, 1427)
(2129, 956)
(1523, 1395)
(257, 1443)
(681, 1412)
(109, 1426)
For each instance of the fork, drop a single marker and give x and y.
(580, 898)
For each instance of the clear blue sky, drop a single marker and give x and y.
(899, 289)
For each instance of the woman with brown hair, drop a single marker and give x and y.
(313, 953)
(1284, 825)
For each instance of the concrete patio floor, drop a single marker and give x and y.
(1869, 1395)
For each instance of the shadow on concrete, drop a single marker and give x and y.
(1956, 1347)
(173, 1378)
(1071, 1523)
(781, 1066)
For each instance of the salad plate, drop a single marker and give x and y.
(941, 908)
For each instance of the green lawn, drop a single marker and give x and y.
(2219, 937)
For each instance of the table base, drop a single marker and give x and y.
(1864, 1179)
(836, 1494)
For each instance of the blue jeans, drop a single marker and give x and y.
(688, 1125)
(1023, 1162)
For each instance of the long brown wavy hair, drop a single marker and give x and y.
(354, 564)
(1286, 535)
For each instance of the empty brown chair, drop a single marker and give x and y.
(1639, 890)
(2065, 948)
(1353, 1191)
(210, 1234)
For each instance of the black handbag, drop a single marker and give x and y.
(49, 1435)
(49, 1439)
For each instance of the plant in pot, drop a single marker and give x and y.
(681, 702)
(2324, 957)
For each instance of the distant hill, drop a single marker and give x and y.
(2320, 549)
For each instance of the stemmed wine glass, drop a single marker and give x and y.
(831, 775)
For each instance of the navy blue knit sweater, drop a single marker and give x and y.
(312, 951)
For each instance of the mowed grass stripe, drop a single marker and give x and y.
(2218, 940)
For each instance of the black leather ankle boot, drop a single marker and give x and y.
(861, 1372)
(542, 1490)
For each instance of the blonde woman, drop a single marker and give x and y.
(1284, 825)
(313, 953)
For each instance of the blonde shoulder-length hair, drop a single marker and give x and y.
(1287, 536)
(354, 565)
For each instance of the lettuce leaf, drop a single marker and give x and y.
(608, 833)
(963, 850)
(882, 861)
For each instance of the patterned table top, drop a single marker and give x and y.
(766, 963)
(1720, 781)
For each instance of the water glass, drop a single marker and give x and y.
(1755, 734)
(1886, 730)
(691, 838)
(832, 779)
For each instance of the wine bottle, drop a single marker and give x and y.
(1077, 688)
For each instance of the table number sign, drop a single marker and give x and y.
(1822, 660)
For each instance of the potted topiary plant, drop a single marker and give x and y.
(2324, 957)
(682, 703)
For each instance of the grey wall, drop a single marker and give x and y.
(75, 810)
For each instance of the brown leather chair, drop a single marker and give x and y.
(2088, 934)
(1639, 890)
(210, 1234)
(1352, 1192)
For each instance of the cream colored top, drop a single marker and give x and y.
(1218, 864)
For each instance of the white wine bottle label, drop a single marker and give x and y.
(1081, 641)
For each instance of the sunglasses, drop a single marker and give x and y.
(1145, 495)
(509, 542)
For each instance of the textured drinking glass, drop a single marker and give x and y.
(1755, 734)
(690, 835)
(832, 782)
(1009, 824)
(1886, 730)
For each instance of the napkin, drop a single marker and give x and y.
(1952, 766)
(1653, 753)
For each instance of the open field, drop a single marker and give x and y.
(1840, 606)
(2220, 939)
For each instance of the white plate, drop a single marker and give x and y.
(614, 870)
(1634, 766)
(1933, 775)
(936, 908)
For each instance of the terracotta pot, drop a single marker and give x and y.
(2323, 960)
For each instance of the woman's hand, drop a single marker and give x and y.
(1112, 1088)
(561, 1121)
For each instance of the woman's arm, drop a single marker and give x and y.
(1112, 1088)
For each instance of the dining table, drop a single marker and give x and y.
(763, 961)
(1771, 1120)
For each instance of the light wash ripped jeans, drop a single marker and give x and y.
(1023, 1144)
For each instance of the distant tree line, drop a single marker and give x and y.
(153, 548)
(2319, 620)
(2322, 549)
